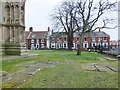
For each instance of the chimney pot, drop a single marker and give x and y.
(31, 29)
(99, 30)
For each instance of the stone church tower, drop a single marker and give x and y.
(12, 27)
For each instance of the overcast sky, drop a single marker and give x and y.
(38, 16)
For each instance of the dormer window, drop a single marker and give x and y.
(43, 36)
(33, 36)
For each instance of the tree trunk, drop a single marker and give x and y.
(89, 41)
(80, 46)
(70, 42)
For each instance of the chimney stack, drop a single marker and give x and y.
(31, 29)
(48, 29)
(52, 31)
(99, 30)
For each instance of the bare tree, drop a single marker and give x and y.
(91, 14)
(81, 16)
(63, 19)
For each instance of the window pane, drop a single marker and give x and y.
(32, 41)
(85, 39)
(93, 39)
(64, 39)
(77, 39)
(105, 38)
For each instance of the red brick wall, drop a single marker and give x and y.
(62, 39)
(75, 39)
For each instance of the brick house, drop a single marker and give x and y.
(92, 40)
(114, 44)
(37, 39)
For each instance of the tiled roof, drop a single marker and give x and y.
(26, 34)
(97, 34)
(58, 34)
(76, 34)
(113, 42)
(38, 34)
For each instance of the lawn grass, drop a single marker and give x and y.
(71, 76)
(62, 55)
(10, 66)
(65, 76)
(53, 55)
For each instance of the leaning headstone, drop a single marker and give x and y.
(3, 73)
(89, 67)
(102, 68)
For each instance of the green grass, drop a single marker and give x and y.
(71, 76)
(52, 55)
(10, 66)
(64, 76)
(61, 55)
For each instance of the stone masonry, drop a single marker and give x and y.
(12, 27)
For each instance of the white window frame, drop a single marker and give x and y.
(106, 39)
(42, 41)
(32, 41)
(86, 39)
(32, 46)
(77, 39)
(84, 45)
(65, 45)
(42, 46)
(99, 39)
(93, 45)
(60, 39)
(65, 39)
(73, 46)
(93, 39)
(53, 44)
(37, 41)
